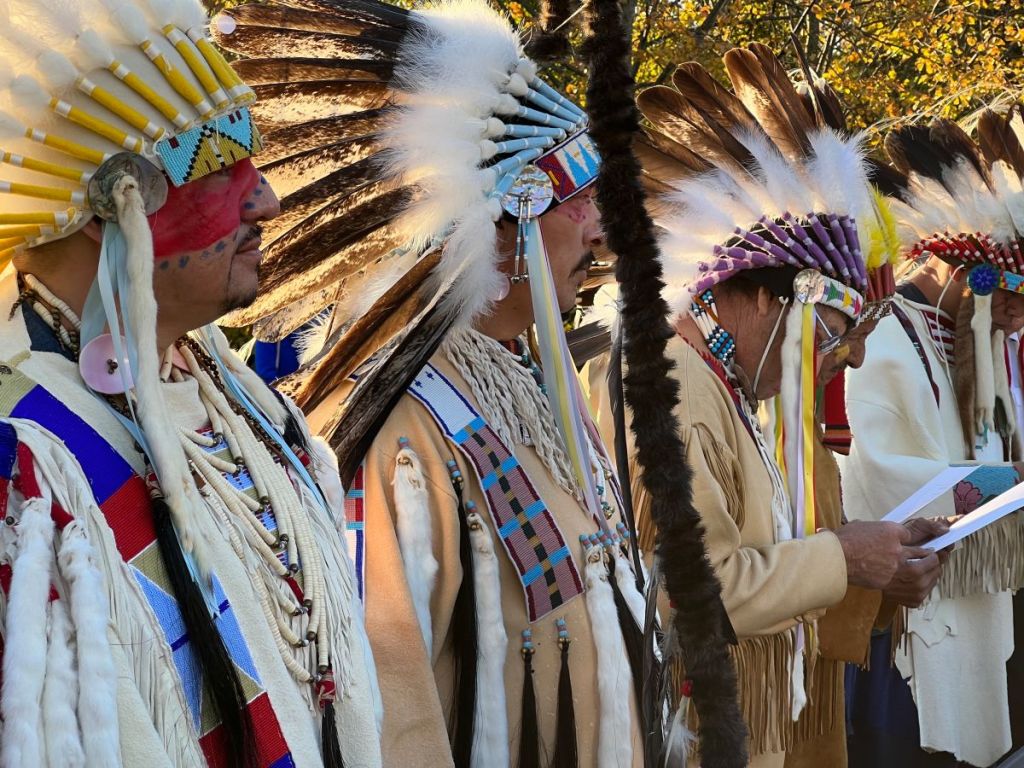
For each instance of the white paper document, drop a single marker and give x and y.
(929, 492)
(986, 514)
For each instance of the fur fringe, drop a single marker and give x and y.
(550, 40)
(651, 393)
(415, 537)
(60, 693)
(613, 669)
(97, 693)
(24, 662)
(490, 736)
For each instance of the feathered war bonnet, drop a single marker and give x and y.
(103, 104)
(964, 203)
(758, 179)
(400, 138)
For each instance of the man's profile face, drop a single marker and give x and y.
(849, 354)
(571, 231)
(206, 240)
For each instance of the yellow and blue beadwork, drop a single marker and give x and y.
(209, 147)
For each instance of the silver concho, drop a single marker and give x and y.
(530, 195)
(152, 184)
(809, 286)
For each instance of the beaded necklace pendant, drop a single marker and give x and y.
(719, 340)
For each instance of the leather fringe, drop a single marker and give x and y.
(763, 664)
(989, 561)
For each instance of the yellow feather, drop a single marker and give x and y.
(884, 244)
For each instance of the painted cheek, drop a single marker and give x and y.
(575, 210)
(199, 214)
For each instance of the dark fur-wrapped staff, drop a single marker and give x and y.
(700, 620)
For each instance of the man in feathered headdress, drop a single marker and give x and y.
(762, 250)
(441, 193)
(173, 589)
(934, 390)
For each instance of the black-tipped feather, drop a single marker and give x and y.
(587, 342)
(302, 70)
(365, 11)
(711, 97)
(931, 151)
(668, 150)
(258, 21)
(396, 309)
(327, 194)
(377, 393)
(288, 103)
(764, 87)
(652, 395)
(998, 140)
(319, 135)
(675, 118)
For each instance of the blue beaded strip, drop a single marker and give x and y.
(719, 340)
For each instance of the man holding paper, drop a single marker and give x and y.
(933, 391)
(755, 312)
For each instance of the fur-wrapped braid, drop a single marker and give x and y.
(701, 620)
(551, 36)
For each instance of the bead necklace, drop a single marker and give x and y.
(50, 308)
(273, 528)
(705, 314)
(521, 350)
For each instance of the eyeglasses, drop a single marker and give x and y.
(832, 340)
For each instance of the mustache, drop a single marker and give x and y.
(254, 235)
(585, 262)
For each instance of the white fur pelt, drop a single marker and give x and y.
(24, 664)
(614, 679)
(490, 733)
(415, 536)
(60, 693)
(140, 308)
(984, 365)
(625, 579)
(797, 680)
(97, 694)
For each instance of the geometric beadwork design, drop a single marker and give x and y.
(355, 535)
(528, 532)
(210, 147)
(571, 166)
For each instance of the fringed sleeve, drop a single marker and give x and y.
(765, 588)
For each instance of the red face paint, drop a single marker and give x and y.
(200, 213)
